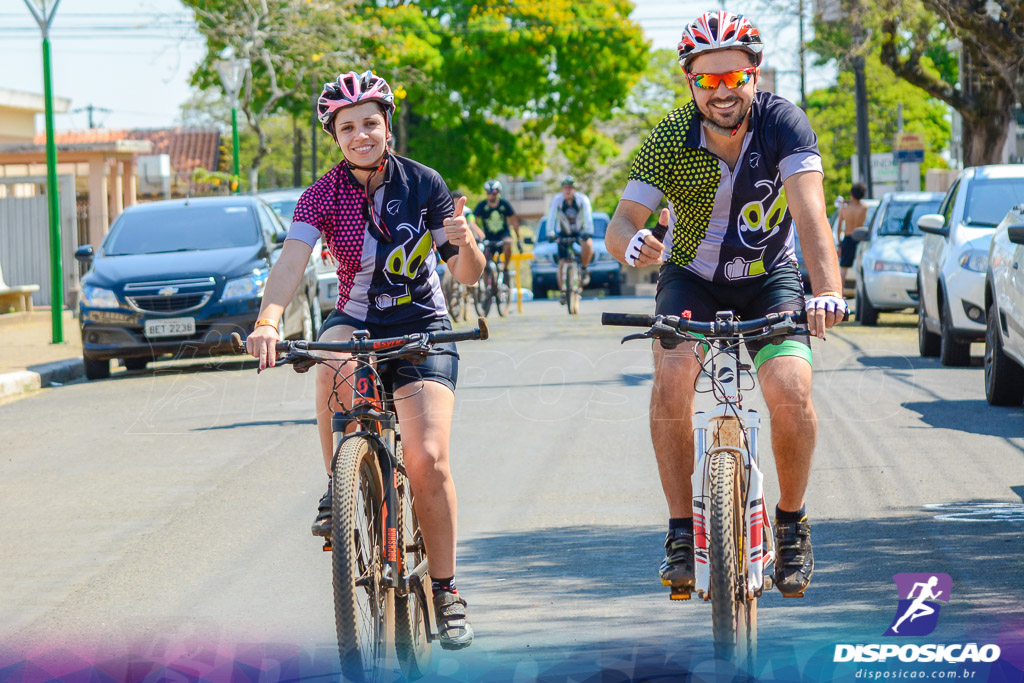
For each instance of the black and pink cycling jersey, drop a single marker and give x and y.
(381, 281)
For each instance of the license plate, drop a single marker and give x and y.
(170, 327)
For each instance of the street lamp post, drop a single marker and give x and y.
(44, 17)
(232, 73)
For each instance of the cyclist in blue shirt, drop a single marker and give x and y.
(739, 169)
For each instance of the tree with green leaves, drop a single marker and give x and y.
(282, 40)
(832, 113)
(483, 84)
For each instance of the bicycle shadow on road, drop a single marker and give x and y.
(595, 588)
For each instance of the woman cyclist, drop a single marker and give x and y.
(380, 215)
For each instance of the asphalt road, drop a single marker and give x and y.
(167, 512)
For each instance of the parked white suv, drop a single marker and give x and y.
(951, 280)
(888, 254)
(1004, 303)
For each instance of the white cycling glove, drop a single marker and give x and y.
(635, 245)
(827, 302)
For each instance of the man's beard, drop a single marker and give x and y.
(724, 125)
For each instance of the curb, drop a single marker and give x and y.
(38, 376)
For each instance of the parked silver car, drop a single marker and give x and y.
(283, 203)
(951, 279)
(1004, 304)
(889, 253)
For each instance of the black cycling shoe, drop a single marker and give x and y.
(795, 562)
(322, 523)
(676, 569)
(453, 629)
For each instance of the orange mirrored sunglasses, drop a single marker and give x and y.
(732, 79)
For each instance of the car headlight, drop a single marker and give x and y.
(97, 297)
(249, 286)
(975, 260)
(895, 267)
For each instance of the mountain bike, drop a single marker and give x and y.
(493, 288)
(734, 547)
(571, 271)
(382, 591)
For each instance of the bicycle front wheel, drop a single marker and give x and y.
(412, 642)
(485, 292)
(502, 295)
(363, 604)
(572, 286)
(734, 617)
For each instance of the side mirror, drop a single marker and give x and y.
(933, 223)
(280, 236)
(1016, 233)
(84, 253)
(861, 234)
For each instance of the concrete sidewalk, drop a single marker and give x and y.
(28, 359)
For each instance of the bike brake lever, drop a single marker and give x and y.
(642, 335)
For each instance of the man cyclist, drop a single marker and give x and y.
(570, 216)
(738, 167)
(496, 215)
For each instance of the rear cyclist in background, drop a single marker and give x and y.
(571, 216)
(496, 215)
(380, 215)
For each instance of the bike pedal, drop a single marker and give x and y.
(679, 596)
(327, 546)
(794, 595)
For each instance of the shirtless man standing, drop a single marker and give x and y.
(851, 217)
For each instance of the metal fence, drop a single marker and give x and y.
(25, 235)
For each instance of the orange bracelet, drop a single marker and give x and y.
(266, 322)
(835, 294)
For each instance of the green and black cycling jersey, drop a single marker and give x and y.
(726, 225)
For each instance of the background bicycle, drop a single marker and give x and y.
(382, 594)
(493, 288)
(570, 273)
(734, 544)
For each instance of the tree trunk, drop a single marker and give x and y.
(985, 130)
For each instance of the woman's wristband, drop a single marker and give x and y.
(266, 322)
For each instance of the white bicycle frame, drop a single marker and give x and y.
(727, 394)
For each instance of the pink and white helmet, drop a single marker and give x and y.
(719, 30)
(350, 89)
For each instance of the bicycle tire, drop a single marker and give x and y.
(363, 611)
(572, 286)
(502, 295)
(485, 291)
(411, 639)
(452, 296)
(734, 617)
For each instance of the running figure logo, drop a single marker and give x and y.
(918, 614)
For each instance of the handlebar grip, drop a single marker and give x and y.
(627, 319)
(447, 336)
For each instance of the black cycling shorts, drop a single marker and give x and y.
(680, 290)
(564, 245)
(497, 236)
(847, 252)
(442, 369)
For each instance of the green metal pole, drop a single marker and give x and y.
(234, 145)
(56, 261)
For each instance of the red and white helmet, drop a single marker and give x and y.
(719, 30)
(350, 89)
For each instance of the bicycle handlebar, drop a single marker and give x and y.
(366, 346)
(732, 328)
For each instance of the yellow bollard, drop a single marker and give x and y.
(517, 258)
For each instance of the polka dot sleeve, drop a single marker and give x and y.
(307, 220)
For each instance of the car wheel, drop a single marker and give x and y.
(866, 313)
(927, 342)
(136, 363)
(1004, 379)
(952, 352)
(540, 293)
(615, 286)
(96, 369)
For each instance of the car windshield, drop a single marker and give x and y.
(901, 216)
(284, 208)
(600, 225)
(988, 201)
(182, 228)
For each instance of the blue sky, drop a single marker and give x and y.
(134, 57)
